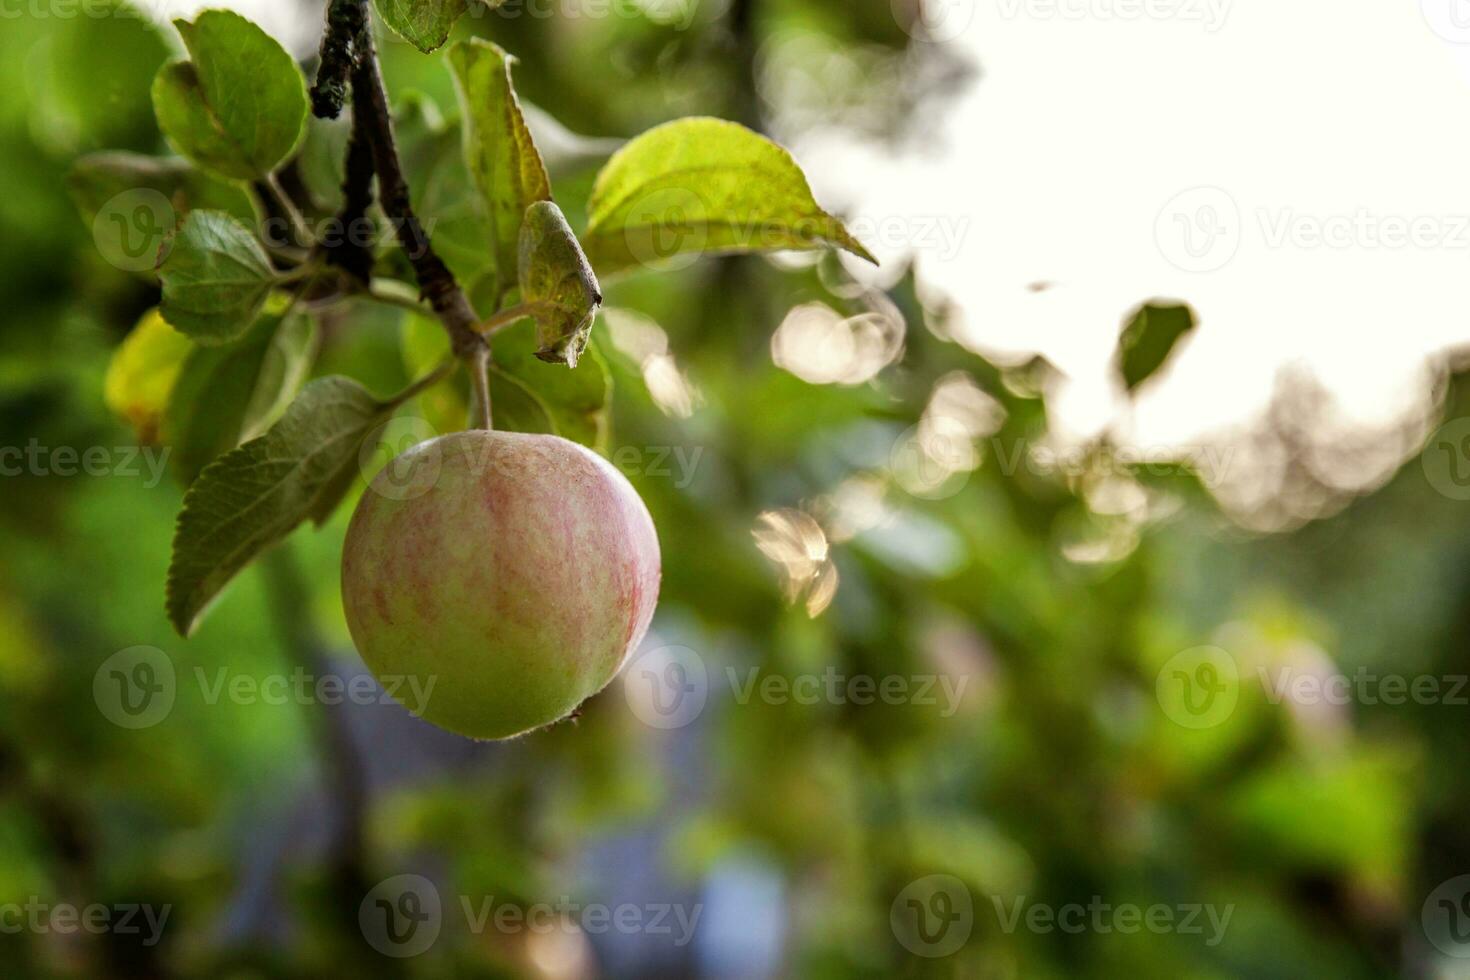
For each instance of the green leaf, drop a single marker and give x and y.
(575, 402)
(142, 373)
(98, 178)
(499, 152)
(527, 394)
(424, 23)
(228, 394)
(701, 186)
(238, 106)
(1149, 339)
(253, 496)
(558, 286)
(215, 279)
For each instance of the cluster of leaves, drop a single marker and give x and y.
(215, 370)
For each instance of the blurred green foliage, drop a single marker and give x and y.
(1060, 779)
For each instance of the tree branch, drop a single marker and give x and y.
(347, 250)
(345, 24)
(372, 116)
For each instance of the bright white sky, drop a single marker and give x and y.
(1066, 155)
(1066, 164)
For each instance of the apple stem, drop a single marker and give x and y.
(480, 415)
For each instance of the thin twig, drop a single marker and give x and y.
(428, 381)
(288, 207)
(505, 318)
(384, 294)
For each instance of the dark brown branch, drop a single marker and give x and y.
(346, 24)
(350, 250)
(437, 285)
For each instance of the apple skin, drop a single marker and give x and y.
(514, 572)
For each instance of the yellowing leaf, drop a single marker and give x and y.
(142, 372)
(501, 156)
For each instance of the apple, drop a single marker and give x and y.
(493, 581)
